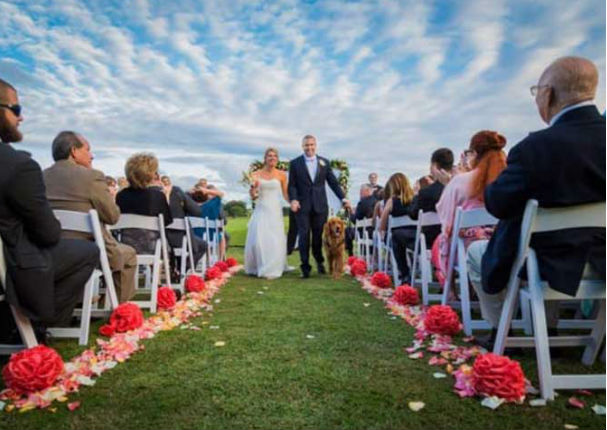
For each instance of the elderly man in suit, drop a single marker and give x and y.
(72, 184)
(46, 275)
(562, 165)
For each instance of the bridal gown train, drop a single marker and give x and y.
(266, 245)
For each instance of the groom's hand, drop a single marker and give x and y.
(294, 206)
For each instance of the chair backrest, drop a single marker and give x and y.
(75, 221)
(400, 221)
(428, 218)
(177, 224)
(142, 222)
(538, 220)
(196, 222)
(474, 218)
(363, 223)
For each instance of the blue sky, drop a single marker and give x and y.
(208, 85)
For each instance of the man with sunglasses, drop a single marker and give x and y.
(45, 275)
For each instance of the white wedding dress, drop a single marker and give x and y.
(266, 246)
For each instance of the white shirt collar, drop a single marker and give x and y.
(310, 159)
(563, 111)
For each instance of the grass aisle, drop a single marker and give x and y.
(272, 373)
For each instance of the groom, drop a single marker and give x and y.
(308, 174)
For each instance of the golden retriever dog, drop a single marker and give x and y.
(333, 238)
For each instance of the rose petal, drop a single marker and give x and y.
(576, 403)
(73, 405)
(598, 409)
(416, 406)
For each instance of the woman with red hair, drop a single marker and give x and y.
(487, 160)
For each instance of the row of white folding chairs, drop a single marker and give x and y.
(363, 241)
(536, 291)
(212, 228)
(24, 326)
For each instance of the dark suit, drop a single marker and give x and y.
(46, 275)
(182, 205)
(426, 200)
(562, 165)
(314, 209)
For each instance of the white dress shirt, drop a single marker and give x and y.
(312, 165)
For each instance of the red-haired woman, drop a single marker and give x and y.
(466, 190)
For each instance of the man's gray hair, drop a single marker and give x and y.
(366, 187)
(306, 137)
(63, 144)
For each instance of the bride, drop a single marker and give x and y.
(266, 246)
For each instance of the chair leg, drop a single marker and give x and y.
(25, 328)
(85, 316)
(526, 315)
(464, 290)
(597, 335)
(506, 316)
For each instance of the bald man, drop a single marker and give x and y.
(561, 165)
(45, 274)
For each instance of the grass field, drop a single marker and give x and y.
(299, 354)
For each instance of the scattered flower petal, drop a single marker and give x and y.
(598, 409)
(492, 402)
(73, 405)
(537, 402)
(220, 343)
(574, 402)
(439, 375)
(416, 406)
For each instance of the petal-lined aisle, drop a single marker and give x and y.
(288, 353)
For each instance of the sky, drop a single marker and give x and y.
(208, 85)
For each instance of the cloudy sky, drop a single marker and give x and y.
(207, 85)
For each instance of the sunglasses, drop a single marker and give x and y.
(16, 109)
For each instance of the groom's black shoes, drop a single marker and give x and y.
(305, 275)
(321, 270)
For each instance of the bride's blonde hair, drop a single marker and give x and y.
(268, 151)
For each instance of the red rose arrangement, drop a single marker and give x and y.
(497, 375)
(381, 280)
(232, 262)
(125, 317)
(441, 319)
(222, 265)
(352, 259)
(194, 284)
(166, 298)
(358, 268)
(406, 295)
(32, 369)
(212, 273)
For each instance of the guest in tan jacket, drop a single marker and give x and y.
(73, 184)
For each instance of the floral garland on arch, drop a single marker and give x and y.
(340, 165)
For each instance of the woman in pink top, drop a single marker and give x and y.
(466, 190)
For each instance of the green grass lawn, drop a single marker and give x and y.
(272, 373)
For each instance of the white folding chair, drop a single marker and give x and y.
(364, 243)
(160, 255)
(464, 219)
(88, 222)
(23, 323)
(201, 223)
(379, 247)
(536, 220)
(390, 262)
(422, 258)
(184, 252)
(209, 226)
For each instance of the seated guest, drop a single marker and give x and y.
(561, 165)
(72, 184)
(400, 197)
(364, 209)
(182, 205)
(427, 198)
(374, 183)
(142, 197)
(197, 192)
(46, 275)
(465, 190)
(212, 209)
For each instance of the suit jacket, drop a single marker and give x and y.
(426, 200)
(310, 192)
(29, 229)
(72, 187)
(562, 165)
